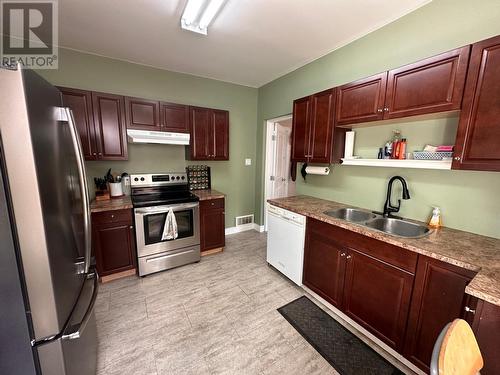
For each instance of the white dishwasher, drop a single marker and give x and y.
(285, 242)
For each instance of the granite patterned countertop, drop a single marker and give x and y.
(208, 194)
(111, 204)
(463, 249)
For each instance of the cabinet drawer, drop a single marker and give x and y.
(212, 203)
(114, 216)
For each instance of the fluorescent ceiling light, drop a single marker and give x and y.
(199, 13)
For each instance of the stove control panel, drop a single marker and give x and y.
(160, 179)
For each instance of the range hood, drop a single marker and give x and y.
(146, 136)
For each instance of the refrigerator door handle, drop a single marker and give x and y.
(76, 331)
(84, 190)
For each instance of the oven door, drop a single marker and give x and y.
(150, 221)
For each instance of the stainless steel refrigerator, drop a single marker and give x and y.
(48, 284)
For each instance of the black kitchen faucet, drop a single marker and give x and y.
(389, 209)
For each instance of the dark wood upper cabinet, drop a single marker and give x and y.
(362, 100)
(314, 138)
(174, 117)
(438, 298)
(322, 127)
(209, 134)
(220, 134)
(377, 296)
(109, 122)
(478, 136)
(324, 263)
(142, 114)
(301, 129)
(212, 224)
(80, 102)
(113, 241)
(431, 85)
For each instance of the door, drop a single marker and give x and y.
(199, 120)
(281, 154)
(113, 245)
(437, 299)
(220, 135)
(377, 296)
(49, 210)
(212, 224)
(361, 101)
(174, 117)
(322, 126)
(80, 102)
(431, 85)
(324, 263)
(109, 121)
(477, 144)
(301, 129)
(142, 114)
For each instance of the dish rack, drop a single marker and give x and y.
(427, 155)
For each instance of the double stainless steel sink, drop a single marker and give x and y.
(392, 226)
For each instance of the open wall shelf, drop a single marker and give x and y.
(395, 163)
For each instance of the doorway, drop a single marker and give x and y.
(278, 182)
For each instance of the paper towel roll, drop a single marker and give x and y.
(322, 171)
(349, 144)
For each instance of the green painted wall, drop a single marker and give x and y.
(469, 200)
(231, 177)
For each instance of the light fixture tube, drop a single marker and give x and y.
(210, 12)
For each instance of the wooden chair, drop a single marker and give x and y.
(456, 351)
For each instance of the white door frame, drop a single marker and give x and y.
(268, 157)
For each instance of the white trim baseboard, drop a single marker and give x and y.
(244, 228)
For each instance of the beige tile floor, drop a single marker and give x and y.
(214, 317)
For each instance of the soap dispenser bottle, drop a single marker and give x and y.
(435, 221)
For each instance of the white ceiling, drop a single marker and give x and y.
(251, 42)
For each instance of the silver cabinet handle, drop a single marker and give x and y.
(469, 310)
(457, 158)
(83, 187)
(349, 257)
(386, 109)
(342, 254)
(380, 110)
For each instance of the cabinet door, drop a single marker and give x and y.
(322, 127)
(212, 224)
(377, 296)
(80, 102)
(301, 129)
(324, 263)
(361, 101)
(437, 299)
(174, 117)
(477, 145)
(486, 326)
(199, 120)
(142, 114)
(113, 247)
(109, 121)
(220, 135)
(431, 85)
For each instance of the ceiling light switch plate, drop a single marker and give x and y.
(248, 161)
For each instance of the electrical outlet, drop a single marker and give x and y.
(248, 161)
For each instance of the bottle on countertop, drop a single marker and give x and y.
(435, 221)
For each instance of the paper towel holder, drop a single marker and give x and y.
(320, 171)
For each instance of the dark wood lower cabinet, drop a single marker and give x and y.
(324, 263)
(113, 241)
(212, 224)
(438, 298)
(485, 321)
(377, 296)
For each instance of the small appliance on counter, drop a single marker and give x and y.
(198, 177)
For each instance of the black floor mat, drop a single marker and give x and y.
(344, 351)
